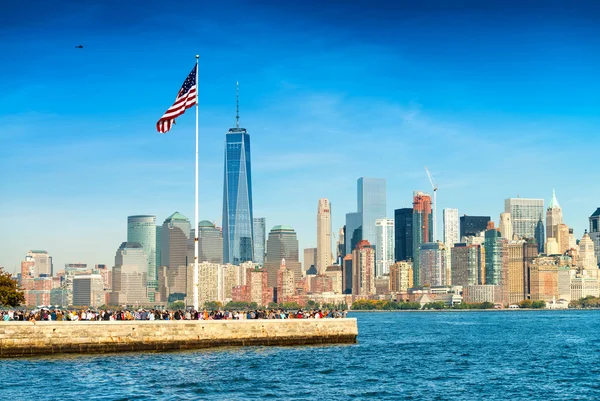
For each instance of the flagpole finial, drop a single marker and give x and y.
(237, 104)
(197, 56)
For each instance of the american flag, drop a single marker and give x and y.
(186, 98)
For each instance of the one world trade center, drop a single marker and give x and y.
(237, 195)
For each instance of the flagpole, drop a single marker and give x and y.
(196, 306)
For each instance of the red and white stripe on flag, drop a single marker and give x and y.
(186, 98)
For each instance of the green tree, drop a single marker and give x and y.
(10, 293)
(526, 303)
(538, 304)
(177, 305)
(213, 305)
(486, 305)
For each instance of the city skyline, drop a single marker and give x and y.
(120, 167)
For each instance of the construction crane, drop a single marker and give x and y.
(435, 188)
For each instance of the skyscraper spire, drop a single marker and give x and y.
(237, 104)
(554, 201)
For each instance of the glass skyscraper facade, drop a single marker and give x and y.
(403, 219)
(142, 229)
(260, 234)
(472, 225)
(371, 199)
(353, 231)
(527, 218)
(237, 198)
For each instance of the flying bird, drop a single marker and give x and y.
(79, 47)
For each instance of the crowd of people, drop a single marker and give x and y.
(160, 314)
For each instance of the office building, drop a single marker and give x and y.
(324, 257)
(142, 229)
(42, 263)
(451, 231)
(310, 261)
(384, 248)
(422, 228)
(347, 274)
(433, 265)
(363, 266)
(286, 283)
(260, 238)
(527, 218)
(210, 243)
(174, 236)
(506, 226)
(353, 231)
(282, 244)
(468, 264)
(130, 276)
(516, 271)
(544, 278)
(237, 197)
(401, 276)
(554, 217)
(371, 199)
(587, 255)
(496, 261)
(472, 226)
(595, 232)
(403, 232)
(88, 290)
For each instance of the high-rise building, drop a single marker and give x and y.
(353, 231)
(158, 248)
(384, 248)
(468, 264)
(324, 258)
(527, 218)
(563, 238)
(210, 243)
(496, 261)
(587, 255)
(401, 276)
(595, 232)
(544, 278)
(516, 271)
(433, 265)
(130, 276)
(530, 252)
(88, 290)
(371, 199)
(506, 226)
(450, 227)
(310, 260)
(473, 225)
(554, 217)
(42, 263)
(363, 266)
(237, 197)
(341, 245)
(282, 244)
(286, 284)
(260, 238)
(422, 228)
(142, 229)
(347, 274)
(174, 236)
(403, 220)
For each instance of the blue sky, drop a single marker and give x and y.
(498, 99)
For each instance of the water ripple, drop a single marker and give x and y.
(412, 356)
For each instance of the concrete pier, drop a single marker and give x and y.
(18, 339)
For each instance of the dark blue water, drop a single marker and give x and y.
(545, 355)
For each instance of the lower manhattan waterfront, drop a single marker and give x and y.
(537, 355)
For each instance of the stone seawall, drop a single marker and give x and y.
(42, 338)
